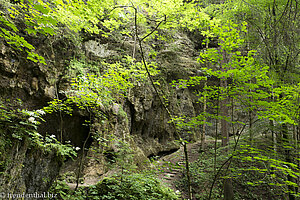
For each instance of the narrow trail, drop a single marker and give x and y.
(172, 167)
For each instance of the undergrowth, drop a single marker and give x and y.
(122, 187)
(254, 172)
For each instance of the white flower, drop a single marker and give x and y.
(39, 135)
(41, 112)
(32, 120)
(52, 136)
(77, 148)
(31, 113)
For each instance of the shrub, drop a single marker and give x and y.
(124, 187)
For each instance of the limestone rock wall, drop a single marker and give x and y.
(140, 119)
(29, 170)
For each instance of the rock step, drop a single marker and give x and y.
(183, 163)
(168, 178)
(169, 175)
(172, 172)
(175, 170)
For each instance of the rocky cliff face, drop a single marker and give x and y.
(139, 119)
(29, 170)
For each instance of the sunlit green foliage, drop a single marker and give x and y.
(247, 75)
(285, 108)
(267, 163)
(261, 82)
(37, 20)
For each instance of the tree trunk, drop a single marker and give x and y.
(187, 170)
(288, 158)
(224, 113)
(228, 190)
(250, 128)
(204, 126)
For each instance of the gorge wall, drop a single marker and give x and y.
(139, 118)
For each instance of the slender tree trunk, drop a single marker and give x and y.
(297, 144)
(250, 127)
(224, 112)
(204, 111)
(228, 189)
(79, 170)
(251, 120)
(204, 123)
(227, 185)
(216, 136)
(271, 123)
(288, 158)
(274, 139)
(232, 119)
(187, 167)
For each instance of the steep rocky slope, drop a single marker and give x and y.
(139, 117)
